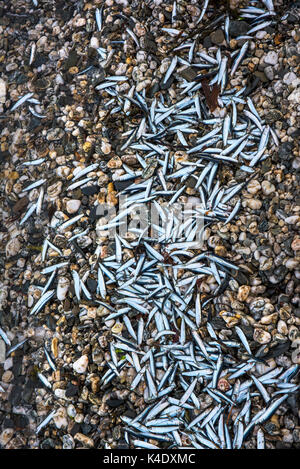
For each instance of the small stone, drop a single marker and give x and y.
(217, 37)
(2, 91)
(106, 148)
(7, 376)
(271, 58)
(117, 328)
(289, 78)
(73, 205)
(114, 163)
(282, 327)
(81, 364)
(243, 292)
(60, 418)
(253, 187)
(254, 204)
(13, 247)
(261, 336)
(71, 411)
(94, 42)
(6, 436)
(295, 244)
(267, 187)
(54, 190)
(86, 441)
(87, 146)
(269, 72)
(294, 97)
(238, 28)
(2, 351)
(68, 442)
(62, 288)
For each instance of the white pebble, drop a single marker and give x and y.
(81, 364)
(271, 58)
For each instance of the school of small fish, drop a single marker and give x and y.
(155, 278)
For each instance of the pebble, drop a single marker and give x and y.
(85, 440)
(81, 364)
(217, 37)
(73, 205)
(63, 285)
(295, 96)
(68, 442)
(267, 187)
(271, 58)
(2, 351)
(254, 204)
(254, 186)
(269, 72)
(243, 292)
(2, 91)
(6, 436)
(295, 244)
(7, 376)
(13, 247)
(60, 418)
(261, 336)
(290, 78)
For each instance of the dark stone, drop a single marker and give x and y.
(114, 402)
(4, 155)
(217, 37)
(271, 428)
(34, 123)
(191, 182)
(71, 390)
(150, 44)
(75, 429)
(296, 134)
(261, 76)
(28, 390)
(17, 365)
(121, 185)
(15, 397)
(21, 422)
(297, 312)
(248, 331)
(39, 60)
(166, 86)
(19, 380)
(48, 444)
(8, 423)
(90, 190)
(21, 78)
(285, 151)
(64, 100)
(86, 428)
(188, 74)
(238, 28)
(282, 445)
(263, 226)
(273, 116)
(291, 19)
(130, 413)
(218, 323)
(154, 89)
(207, 42)
(92, 284)
(71, 61)
(93, 214)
